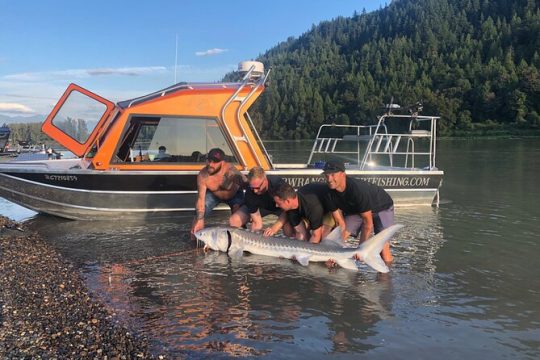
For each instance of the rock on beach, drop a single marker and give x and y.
(47, 310)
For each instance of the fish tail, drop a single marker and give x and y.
(370, 250)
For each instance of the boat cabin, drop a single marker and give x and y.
(172, 129)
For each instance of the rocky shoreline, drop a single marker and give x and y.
(47, 310)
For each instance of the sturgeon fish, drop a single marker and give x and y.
(235, 241)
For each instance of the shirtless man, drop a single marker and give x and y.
(218, 182)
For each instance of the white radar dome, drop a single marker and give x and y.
(245, 66)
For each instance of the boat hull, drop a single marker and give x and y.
(114, 195)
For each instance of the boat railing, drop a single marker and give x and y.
(336, 139)
(396, 141)
(402, 148)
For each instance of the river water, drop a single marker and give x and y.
(465, 283)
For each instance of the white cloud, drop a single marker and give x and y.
(37, 96)
(134, 71)
(15, 108)
(84, 73)
(211, 52)
(39, 91)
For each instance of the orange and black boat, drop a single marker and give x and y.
(141, 157)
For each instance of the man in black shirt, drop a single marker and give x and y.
(363, 204)
(258, 201)
(306, 211)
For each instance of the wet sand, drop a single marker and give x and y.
(48, 312)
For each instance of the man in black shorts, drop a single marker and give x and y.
(258, 201)
(364, 205)
(306, 211)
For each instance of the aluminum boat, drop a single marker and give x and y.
(119, 171)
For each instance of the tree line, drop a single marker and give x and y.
(28, 132)
(31, 132)
(474, 62)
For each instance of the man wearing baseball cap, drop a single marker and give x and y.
(218, 182)
(365, 206)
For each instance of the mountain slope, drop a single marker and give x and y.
(475, 62)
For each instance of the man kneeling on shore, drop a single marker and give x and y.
(366, 206)
(306, 212)
(258, 201)
(218, 182)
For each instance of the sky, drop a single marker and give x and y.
(124, 49)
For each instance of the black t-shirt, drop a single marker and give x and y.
(360, 196)
(321, 190)
(311, 205)
(265, 201)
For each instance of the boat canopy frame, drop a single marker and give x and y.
(381, 142)
(254, 78)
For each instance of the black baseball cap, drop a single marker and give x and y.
(333, 166)
(216, 155)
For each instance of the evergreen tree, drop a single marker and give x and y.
(475, 62)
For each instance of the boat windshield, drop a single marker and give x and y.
(158, 139)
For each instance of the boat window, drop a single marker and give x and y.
(183, 140)
(79, 115)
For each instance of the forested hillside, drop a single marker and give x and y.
(475, 62)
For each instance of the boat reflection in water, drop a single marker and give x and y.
(191, 302)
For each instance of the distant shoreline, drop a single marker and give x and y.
(465, 135)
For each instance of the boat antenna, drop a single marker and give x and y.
(175, 58)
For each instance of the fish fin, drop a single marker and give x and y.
(349, 264)
(335, 235)
(376, 262)
(236, 253)
(369, 251)
(338, 244)
(303, 259)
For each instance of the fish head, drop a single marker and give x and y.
(216, 238)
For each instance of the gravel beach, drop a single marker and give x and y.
(47, 311)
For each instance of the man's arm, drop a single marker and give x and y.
(198, 223)
(367, 225)
(269, 231)
(301, 233)
(340, 221)
(256, 221)
(316, 235)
